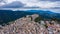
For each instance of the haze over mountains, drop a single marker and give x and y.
(49, 4)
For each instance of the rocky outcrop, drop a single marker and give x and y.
(23, 25)
(26, 25)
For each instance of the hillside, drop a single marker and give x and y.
(27, 25)
(23, 25)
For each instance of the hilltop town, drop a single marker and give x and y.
(27, 25)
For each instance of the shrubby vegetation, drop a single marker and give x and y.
(41, 18)
(38, 19)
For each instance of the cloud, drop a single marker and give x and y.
(1, 3)
(36, 3)
(50, 0)
(4, 2)
(41, 4)
(15, 4)
(54, 10)
(52, 5)
(9, 1)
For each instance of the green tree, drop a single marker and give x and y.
(38, 19)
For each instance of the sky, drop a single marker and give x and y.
(49, 4)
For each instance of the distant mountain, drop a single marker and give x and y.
(15, 4)
(9, 15)
(46, 14)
